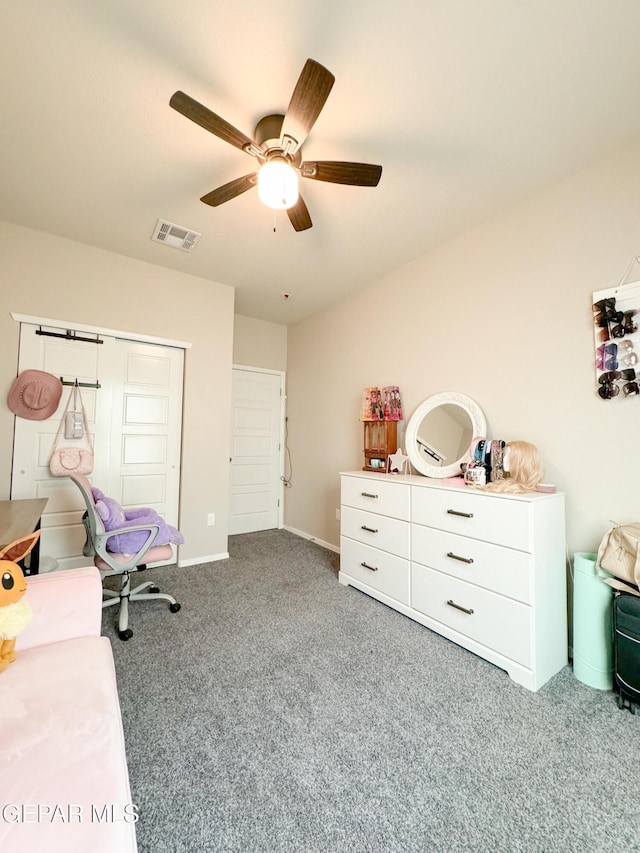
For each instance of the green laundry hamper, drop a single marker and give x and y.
(592, 625)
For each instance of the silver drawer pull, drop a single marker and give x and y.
(458, 607)
(369, 529)
(462, 559)
(371, 568)
(368, 495)
(463, 514)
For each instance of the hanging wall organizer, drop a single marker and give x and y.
(617, 339)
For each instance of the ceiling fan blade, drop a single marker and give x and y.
(308, 99)
(203, 116)
(231, 190)
(336, 172)
(299, 215)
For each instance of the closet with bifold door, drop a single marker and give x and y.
(132, 393)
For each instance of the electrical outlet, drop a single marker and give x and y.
(211, 519)
(337, 515)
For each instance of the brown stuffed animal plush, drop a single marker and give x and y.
(15, 614)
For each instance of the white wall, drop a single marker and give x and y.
(503, 314)
(47, 276)
(257, 343)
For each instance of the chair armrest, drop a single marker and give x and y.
(65, 605)
(102, 539)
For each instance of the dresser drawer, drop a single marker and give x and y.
(503, 570)
(381, 496)
(389, 534)
(496, 622)
(382, 571)
(481, 516)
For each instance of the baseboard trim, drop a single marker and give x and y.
(194, 561)
(315, 539)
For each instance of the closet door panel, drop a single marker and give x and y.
(62, 534)
(146, 424)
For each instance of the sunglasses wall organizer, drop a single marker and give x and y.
(616, 319)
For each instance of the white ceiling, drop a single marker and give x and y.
(469, 105)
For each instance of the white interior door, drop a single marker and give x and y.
(256, 451)
(127, 415)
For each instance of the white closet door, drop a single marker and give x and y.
(256, 453)
(135, 420)
(144, 468)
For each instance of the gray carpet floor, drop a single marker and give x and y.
(282, 711)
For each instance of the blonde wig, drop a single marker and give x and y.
(526, 470)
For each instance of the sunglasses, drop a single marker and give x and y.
(608, 390)
(605, 312)
(608, 387)
(604, 304)
(626, 325)
(613, 376)
(629, 357)
(606, 357)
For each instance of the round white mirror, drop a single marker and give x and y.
(440, 431)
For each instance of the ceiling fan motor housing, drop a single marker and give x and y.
(267, 135)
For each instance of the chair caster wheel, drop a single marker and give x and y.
(154, 589)
(125, 635)
(174, 607)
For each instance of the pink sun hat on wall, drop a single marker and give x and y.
(34, 395)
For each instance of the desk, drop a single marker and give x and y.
(18, 519)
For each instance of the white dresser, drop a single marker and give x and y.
(485, 570)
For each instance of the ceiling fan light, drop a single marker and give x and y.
(278, 184)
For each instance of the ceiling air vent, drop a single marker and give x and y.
(175, 235)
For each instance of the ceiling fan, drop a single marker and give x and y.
(277, 145)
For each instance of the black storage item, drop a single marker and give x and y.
(626, 650)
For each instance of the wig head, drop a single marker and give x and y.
(526, 470)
